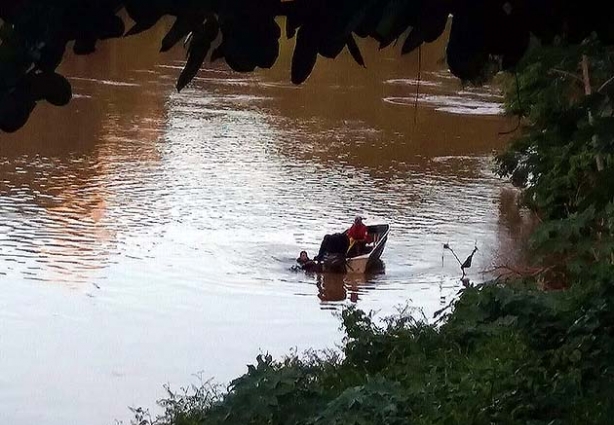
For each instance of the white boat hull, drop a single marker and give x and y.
(357, 264)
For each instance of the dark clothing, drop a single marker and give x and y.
(358, 248)
(308, 265)
(337, 243)
(311, 266)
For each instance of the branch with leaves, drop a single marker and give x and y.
(463, 265)
(485, 37)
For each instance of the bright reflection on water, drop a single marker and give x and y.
(148, 235)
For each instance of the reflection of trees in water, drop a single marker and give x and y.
(55, 209)
(59, 177)
(515, 227)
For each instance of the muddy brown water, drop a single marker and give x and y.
(147, 236)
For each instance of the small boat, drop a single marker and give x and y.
(365, 261)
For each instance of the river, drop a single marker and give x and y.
(146, 236)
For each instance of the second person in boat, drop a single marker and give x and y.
(359, 237)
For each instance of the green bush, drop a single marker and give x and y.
(562, 155)
(507, 354)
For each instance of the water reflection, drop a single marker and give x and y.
(435, 92)
(63, 175)
(334, 287)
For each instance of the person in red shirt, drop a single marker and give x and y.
(358, 231)
(359, 235)
(349, 243)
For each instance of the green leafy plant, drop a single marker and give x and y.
(507, 354)
(562, 157)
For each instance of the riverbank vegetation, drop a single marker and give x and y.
(507, 354)
(508, 351)
(562, 157)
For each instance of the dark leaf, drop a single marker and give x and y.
(217, 53)
(84, 46)
(267, 56)
(111, 26)
(290, 29)
(51, 56)
(371, 19)
(506, 35)
(139, 27)
(305, 53)
(433, 19)
(466, 52)
(292, 23)
(197, 52)
(238, 52)
(145, 13)
(212, 28)
(240, 63)
(413, 41)
(331, 48)
(15, 109)
(51, 86)
(264, 44)
(396, 18)
(180, 29)
(467, 263)
(355, 51)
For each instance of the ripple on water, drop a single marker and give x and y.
(460, 105)
(188, 201)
